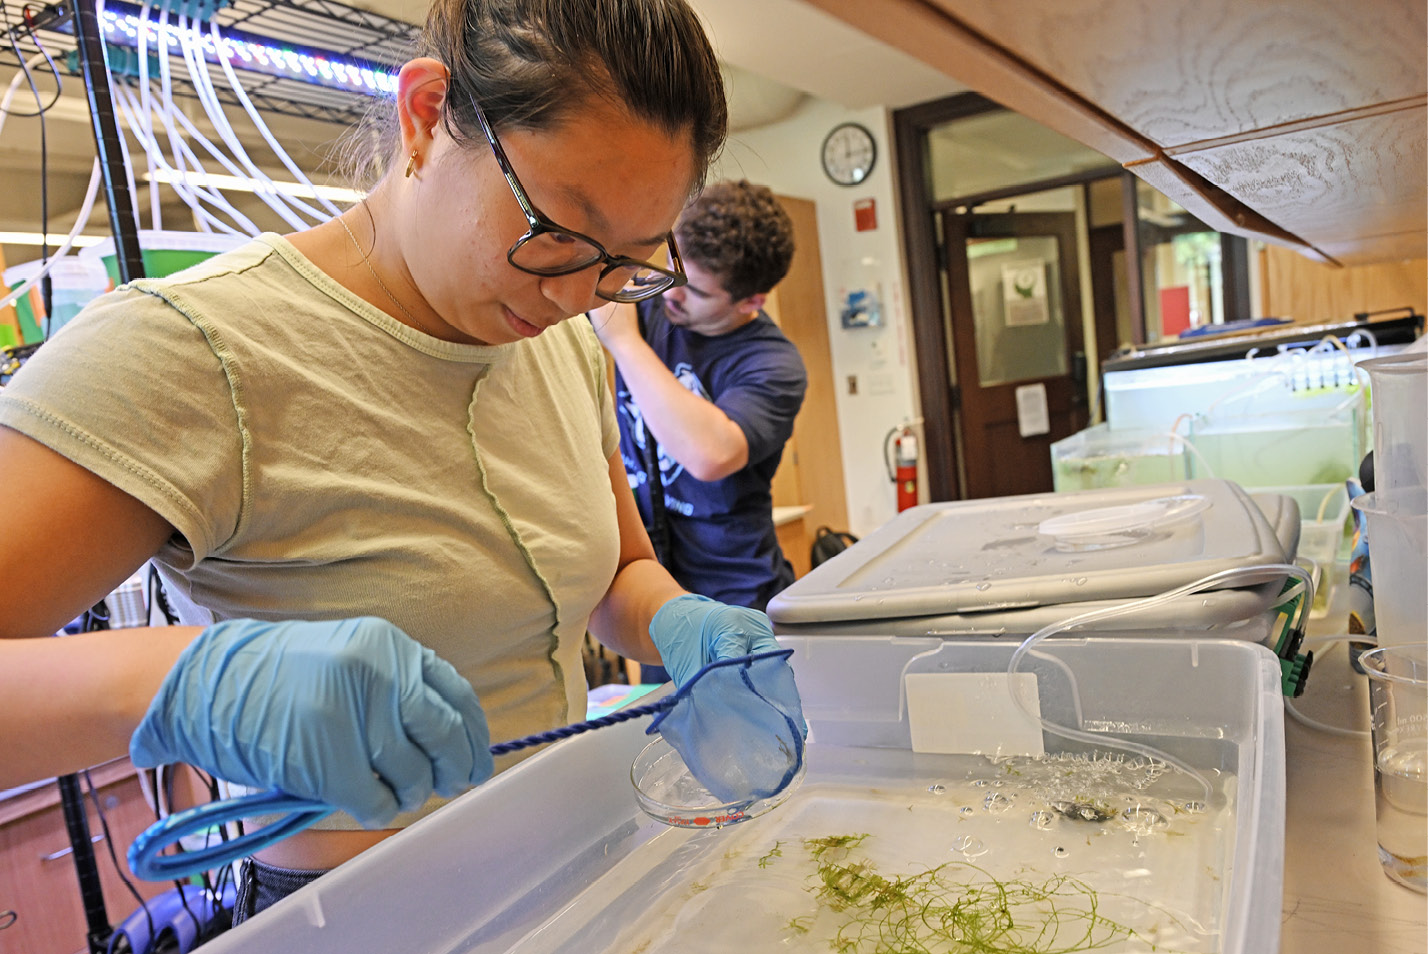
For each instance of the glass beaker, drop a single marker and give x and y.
(1398, 700)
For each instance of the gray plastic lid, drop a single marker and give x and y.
(975, 556)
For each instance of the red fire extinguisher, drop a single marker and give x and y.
(904, 468)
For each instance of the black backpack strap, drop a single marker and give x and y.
(658, 524)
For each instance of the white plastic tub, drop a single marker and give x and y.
(554, 855)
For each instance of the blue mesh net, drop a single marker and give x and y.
(739, 726)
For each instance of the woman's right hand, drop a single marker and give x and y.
(353, 713)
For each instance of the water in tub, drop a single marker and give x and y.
(1062, 853)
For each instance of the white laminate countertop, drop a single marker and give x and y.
(783, 515)
(1337, 900)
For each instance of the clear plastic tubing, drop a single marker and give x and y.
(1239, 575)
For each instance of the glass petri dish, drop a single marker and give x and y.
(1106, 527)
(667, 792)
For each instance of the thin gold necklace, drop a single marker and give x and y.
(378, 279)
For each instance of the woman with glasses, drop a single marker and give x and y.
(362, 452)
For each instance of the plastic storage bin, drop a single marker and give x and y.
(1101, 457)
(554, 856)
(1271, 450)
(165, 252)
(74, 282)
(1326, 521)
(1297, 382)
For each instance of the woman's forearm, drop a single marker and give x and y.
(622, 620)
(69, 702)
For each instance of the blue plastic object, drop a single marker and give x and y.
(1228, 327)
(729, 742)
(177, 919)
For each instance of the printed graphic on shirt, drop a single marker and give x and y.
(669, 468)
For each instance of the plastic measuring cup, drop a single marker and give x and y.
(1399, 386)
(1398, 557)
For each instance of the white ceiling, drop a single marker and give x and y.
(792, 44)
(775, 52)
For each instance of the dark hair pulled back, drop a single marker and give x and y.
(531, 62)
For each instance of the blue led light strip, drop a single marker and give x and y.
(250, 52)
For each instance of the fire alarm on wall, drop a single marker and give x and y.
(865, 215)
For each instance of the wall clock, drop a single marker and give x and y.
(849, 152)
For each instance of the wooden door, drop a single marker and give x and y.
(1015, 314)
(811, 472)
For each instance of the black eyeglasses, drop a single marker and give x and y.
(549, 249)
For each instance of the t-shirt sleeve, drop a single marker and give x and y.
(132, 391)
(763, 395)
(601, 384)
(609, 421)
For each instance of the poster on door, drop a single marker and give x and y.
(1024, 294)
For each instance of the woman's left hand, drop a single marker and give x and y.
(691, 632)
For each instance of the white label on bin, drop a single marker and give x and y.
(973, 713)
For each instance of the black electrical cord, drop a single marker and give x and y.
(46, 285)
(114, 857)
(169, 801)
(28, 22)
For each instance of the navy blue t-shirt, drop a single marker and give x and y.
(721, 532)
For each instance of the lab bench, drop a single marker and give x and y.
(1337, 900)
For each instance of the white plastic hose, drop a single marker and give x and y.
(85, 209)
(1244, 575)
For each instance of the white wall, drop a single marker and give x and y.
(785, 157)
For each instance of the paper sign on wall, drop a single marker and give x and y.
(1024, 294)
(1032, 416)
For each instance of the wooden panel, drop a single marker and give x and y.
(37, 873)
(1208, 203)
(1133, 78)
(1182, 71)
(816, 452)
(1310, 293)
(1404, 246)
(797, 545)
(938, 39)
(1338, 182)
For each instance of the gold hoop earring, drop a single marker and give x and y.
(411, 164)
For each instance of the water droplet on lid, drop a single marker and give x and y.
(1061, 852)
(983, 587)
(1042, 820)
(937, 788)
(966, 811)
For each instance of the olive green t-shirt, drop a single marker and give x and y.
(320, 460)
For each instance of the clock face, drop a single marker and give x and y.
(849, 153)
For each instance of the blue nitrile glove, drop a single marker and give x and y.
(354, 713)
(692, 631)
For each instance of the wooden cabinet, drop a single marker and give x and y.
(37, 874)
(1304, 124)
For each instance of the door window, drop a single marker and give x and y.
(1017, 309)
